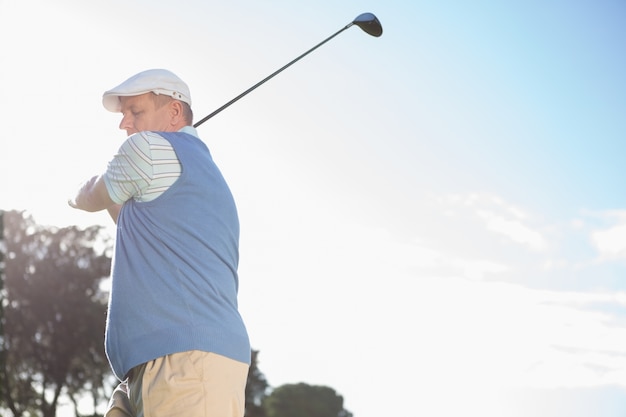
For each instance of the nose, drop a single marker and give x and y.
(124, 123)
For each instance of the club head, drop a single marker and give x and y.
(369, 23)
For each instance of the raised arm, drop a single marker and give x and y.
(93, 196)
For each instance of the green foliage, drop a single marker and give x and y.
(54, 314)
(256, 388)
(3, 301)
(303, 400)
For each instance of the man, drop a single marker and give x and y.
(174, 335)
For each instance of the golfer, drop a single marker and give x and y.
(174, 336)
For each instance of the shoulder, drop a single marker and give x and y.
(144, 142)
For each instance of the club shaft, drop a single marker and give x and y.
(269, 77)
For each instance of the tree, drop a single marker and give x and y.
(303, 400)
(256, 388)
(3, 302)
(54, 315)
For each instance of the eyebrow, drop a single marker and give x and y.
(131, 108)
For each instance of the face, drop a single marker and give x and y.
(140, 113)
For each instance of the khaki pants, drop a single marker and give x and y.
(190, 384)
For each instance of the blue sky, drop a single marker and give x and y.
(434, 217)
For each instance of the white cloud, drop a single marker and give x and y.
(375, 304)
(579, 345)
(500, 217)
(611, 242)
(514, 229)
(477, 269)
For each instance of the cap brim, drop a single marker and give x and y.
(111, 102)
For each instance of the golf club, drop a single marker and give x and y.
(366, 21)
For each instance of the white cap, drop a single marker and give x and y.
(158, 81)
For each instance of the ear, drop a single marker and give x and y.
(176, 112)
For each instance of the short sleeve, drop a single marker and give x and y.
(144, 167)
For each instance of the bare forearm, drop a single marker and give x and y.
(92, 196)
